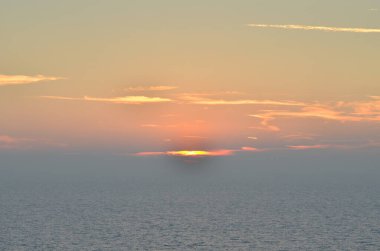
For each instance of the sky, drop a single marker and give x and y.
(189, 78)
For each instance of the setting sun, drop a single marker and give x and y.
(199, 153)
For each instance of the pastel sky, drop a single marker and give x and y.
(189, 78)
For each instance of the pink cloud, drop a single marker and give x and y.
(10, 142)
(307, 147)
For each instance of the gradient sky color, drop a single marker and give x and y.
(219, 77)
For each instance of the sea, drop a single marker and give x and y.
(268, 202)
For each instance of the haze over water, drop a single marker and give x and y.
(96, 203)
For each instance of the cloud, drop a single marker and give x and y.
(341, 111)
(21, 80)
(178, 125)
(132, 100)
(321, 112)
(250, 149)
(265, 122)
(315, 28)
(206, 101)
(338, 146)
(152, 88)
(364, 108)
(308, 147)
(10, 142)
(6, 139)
(299, 136)
(252, 138)
(210, 93)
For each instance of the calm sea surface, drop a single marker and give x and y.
(100, 205)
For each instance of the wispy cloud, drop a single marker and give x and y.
(188, 124)
(152, 88)
(210, 94)
(308, 147)
(6, 139)
(265, 122)
(299, 136)
(249, 149)
(11, 143)
(322, 112)
(364, 108)
(252, 138)
(341, 111)
(337, 146)
(21, 79)
(207, 101)
(132, 100)
(315, 28)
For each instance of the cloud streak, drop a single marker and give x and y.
(152, 88)
(308, 147)
(131, 100)
(206, 101)
(22, 80)
(357, 111)
(321, 112)
(315, 28)
(8, 142)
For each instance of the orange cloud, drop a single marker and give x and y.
(21, 79)
(194, 95)
(131, 100)
(206, 101)
(364, 108)
(152, 88)
(315, 28)
(355, 111)
(362, 112)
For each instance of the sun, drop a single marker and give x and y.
(197, 153)
(189, 153)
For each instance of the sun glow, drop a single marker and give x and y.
(186, 153)
(189, 153)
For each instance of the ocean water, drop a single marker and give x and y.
(106, 204)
